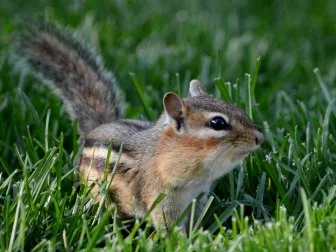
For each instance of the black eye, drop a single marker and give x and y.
(218, 123)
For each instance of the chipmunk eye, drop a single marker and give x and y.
(219, 123)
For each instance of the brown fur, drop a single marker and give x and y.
(180, 155)
(184, 153)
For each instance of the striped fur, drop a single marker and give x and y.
(180, 155)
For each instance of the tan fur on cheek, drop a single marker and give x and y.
(183, 157)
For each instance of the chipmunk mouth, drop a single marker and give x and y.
(241, 155)
(247, 150)
(245, 153)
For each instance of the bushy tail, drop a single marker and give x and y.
(75, 72)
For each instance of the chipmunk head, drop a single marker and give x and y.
(210, 135)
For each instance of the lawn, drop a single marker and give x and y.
(275, 59)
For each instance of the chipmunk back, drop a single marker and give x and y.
(196, 140)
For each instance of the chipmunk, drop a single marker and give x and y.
(195, 141)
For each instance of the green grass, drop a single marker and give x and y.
(281, 199)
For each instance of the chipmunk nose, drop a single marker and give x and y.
(259, 136)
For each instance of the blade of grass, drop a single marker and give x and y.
(249, 95)
(98, 229)
(224, 216)
(144, 102)
(308, 224)
(255, 76)
(322, 85)
(16, 219)
(260, 194)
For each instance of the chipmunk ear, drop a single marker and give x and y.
(175, 108)
(196, 88)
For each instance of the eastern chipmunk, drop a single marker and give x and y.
(196, 140)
